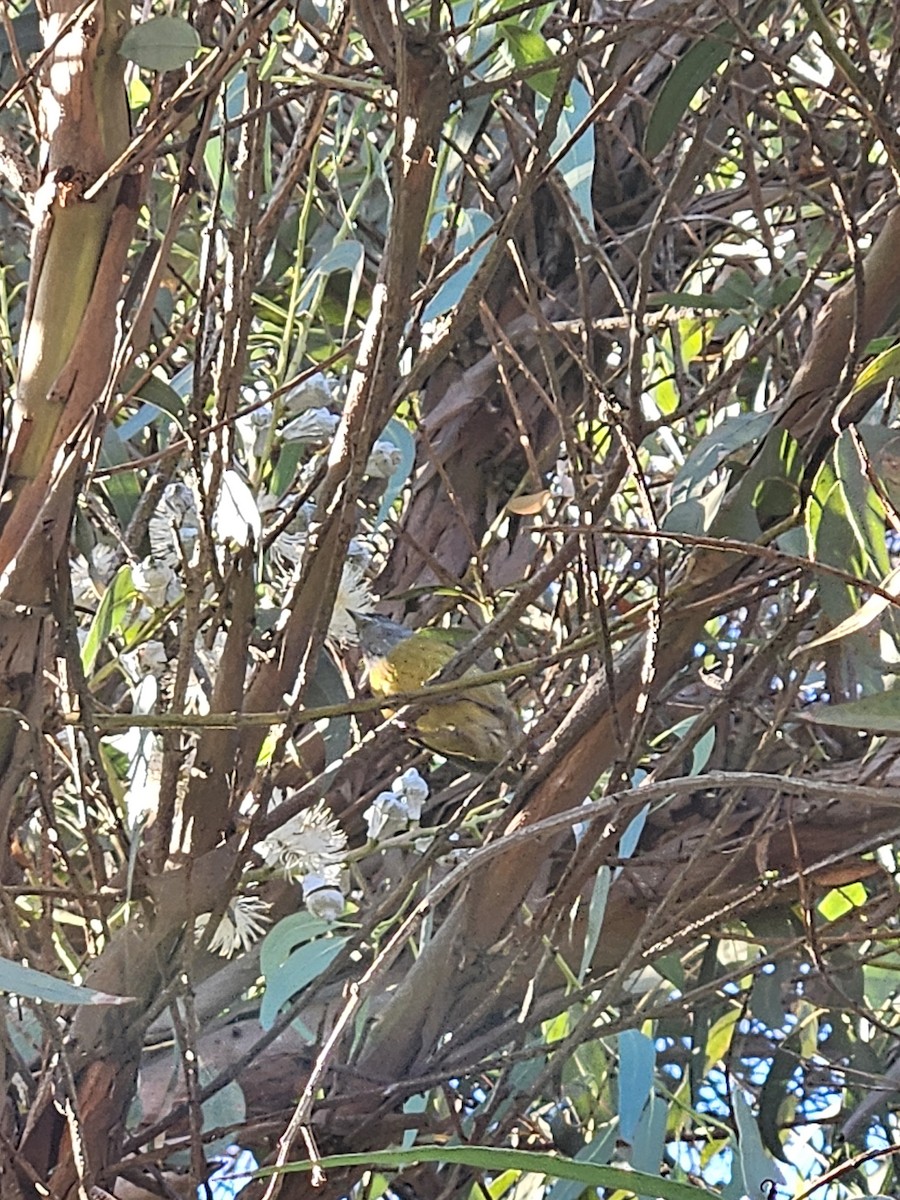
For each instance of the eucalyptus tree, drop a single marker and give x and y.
(569, 327)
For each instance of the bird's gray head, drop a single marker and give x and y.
(379, 635)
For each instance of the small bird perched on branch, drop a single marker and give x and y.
(476, 723)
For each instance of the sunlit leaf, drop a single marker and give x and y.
(497, 1159)
(690, 73)
(236, 517)
(880, 370)
(114, 607)
(528, 48)
(863, 617)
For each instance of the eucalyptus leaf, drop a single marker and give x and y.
(878, 713)
(161, 44)
(693, 69)
(293, 954)
(36, 985)
(109, 618)
(637, 1058)
(582, 1170)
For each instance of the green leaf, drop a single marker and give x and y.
(689, 74)
(398, 435)
(471, 225)
(596, 913)
(752, 1164)
(488, 1158)
(114, 607)
(771, 1097)
(527, 48)
(864, 616)
(879, 713)
(880, 370)
(327, 687)
(769, 492)
(767, 995)
(577, 164)
(161, 44)
(160, 399)
(27, 32)
(881, 982)
(648, 1146)
(293, 954)
(226, 1108)
(599, 1149)
(694, 503)
(36, 985)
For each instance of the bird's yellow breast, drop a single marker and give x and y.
(477, 723)
(408, 666)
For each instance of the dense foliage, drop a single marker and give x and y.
(571, 327)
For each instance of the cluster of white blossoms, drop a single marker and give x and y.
(394, 811)
(310, 848)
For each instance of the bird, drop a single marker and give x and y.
(479, 724)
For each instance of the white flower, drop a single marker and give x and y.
(254, 429)
(152, 657)
(311, 843)
(359, 554)
(387, 814)
(313, 426)
(83, 591)
(209, 658)
(323, 899)
(562, 483)
(104, 562)
(156, 581)
(314, 392)
(414, 790)
(285, 552)
(384, 460)
(176, 522)
(393, 811)
(90, 579)
(353, 595)
(243, 923)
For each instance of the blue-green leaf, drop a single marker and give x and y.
(637, 1058)
(294, 953)
(36, 985)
